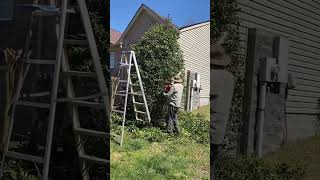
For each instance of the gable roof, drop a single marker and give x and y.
(142, 8)
(114, 35)
(192, 26)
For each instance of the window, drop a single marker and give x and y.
(6, 10)
(112, 59)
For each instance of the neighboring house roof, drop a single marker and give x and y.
(114, 36)
(142, 8)
(192, 26)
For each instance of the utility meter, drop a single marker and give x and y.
(269, 70)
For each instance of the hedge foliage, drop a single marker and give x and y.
(224, 19)
(160, 58)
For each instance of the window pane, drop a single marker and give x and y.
(112, 59)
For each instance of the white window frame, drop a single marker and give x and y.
(112, 60)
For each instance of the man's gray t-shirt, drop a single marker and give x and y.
(175, 94)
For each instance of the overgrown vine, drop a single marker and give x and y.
(224, 18)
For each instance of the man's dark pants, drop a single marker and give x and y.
(172, 124)
(215, 156)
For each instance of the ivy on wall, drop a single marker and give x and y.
(224, 18)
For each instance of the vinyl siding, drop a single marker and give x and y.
(299, 21)
(195, 44)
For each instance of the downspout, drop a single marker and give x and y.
(261, 112)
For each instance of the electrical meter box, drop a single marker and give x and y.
(268, 70)
(280, 52)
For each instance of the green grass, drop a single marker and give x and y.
(171, 157)
(306, 152)
(205, 110)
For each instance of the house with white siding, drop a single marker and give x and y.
(195, 44)
(299, 22)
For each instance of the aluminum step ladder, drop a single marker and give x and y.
(58, 63)
(81, 133)
(131, 85)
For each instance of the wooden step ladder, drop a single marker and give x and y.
(61, 64)
(128, 68)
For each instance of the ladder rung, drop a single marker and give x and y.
(79, 73)
(135, 84)
(80, 98)
(120, 94)
(125, 65)
(46, 13)
(94, 159)
(75, 42)
(140, 103)
(40, 61)
(40, 94)
(134, 74)
(141, 112)
(71, 10)
(89, 132)
(33, 104)
(118, 111)
(139, 120)
(123, 81)
(26, 157)
(88, 104)
(136, 93)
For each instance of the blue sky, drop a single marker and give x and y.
(182, 12)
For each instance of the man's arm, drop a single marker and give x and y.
(169, 92)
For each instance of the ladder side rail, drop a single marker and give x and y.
(133, 100)
(117, 84)
(95, 55)
(54, 91)
(22, 76)
(125, 102)
(141, 86)
(75, 116)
